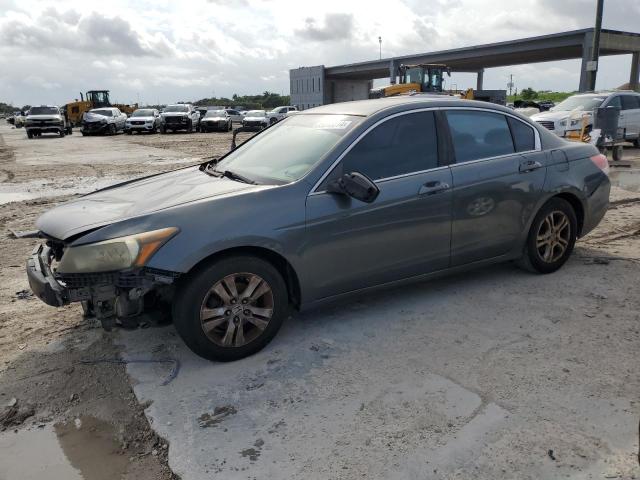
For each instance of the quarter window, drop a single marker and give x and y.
(478, 135)
(523, 136)
(401, 145)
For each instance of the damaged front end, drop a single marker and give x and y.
(60, 274)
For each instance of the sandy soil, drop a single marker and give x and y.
(42, 348)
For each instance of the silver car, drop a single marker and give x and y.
(143, 120)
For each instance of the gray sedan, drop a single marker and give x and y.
(331, 202)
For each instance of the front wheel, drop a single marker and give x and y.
(551, 238)
(61, 133)
(231, 308)
(112, 129)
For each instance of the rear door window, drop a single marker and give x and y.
(523, 135)
(630, 102)
(404, 144)
(477, 135)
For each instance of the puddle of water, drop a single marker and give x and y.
(626, 179)
(84, 450)
(18, 192)
(7, 197)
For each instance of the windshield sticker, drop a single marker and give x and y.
(332, 124)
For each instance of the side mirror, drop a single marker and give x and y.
(355, 185)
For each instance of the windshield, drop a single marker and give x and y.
(104, 113)
(176, 108)
(256, 113)
(215, 113)
(142, 113)
(288, 150)
(43, 111)
(583, 103)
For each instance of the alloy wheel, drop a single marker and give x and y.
(237, 309)
(554, 235)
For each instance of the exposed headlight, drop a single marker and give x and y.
(115, 254)
(563, 123)
(575, 122)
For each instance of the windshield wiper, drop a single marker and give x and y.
(237, 177)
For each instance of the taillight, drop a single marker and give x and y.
(601, 162)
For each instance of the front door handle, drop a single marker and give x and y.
(431, 188)
(530, 166)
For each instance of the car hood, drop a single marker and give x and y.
(255, 119)
(44, 117)
(213, 119)
(175, 114)
(136, 198)
(144, 119)
(94, 117)
(549, 115)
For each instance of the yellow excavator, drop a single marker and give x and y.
(93, 99)
(424, 77)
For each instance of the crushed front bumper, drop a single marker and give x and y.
(41, 280)
(112, 293)
(94, 127)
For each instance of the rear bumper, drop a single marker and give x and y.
(41, 280)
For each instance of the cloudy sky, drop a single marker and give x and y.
(166, 51)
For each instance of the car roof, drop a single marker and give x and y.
(367, 108)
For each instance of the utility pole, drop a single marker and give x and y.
(592, 67)
(510, 84)
(380, 42)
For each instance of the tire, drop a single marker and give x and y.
(61, 133)
(189, 126)
(29, 135)
(112, 129)
(83, 134)
(129, 132)
(272, 121)
(229, 127)
(533, 258)
(196, 291)
(163, 130)
(616, 153)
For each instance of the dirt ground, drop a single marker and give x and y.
(57, 368)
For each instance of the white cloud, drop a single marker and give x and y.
(165, 51)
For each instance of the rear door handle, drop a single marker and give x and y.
(530, 166)
(431, 188)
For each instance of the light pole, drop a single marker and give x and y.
(380, 42)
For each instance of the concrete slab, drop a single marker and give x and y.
(476, 376)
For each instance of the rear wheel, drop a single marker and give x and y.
(551, 238)
(231, 308)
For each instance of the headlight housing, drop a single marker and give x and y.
(115, 254)
(563, 123)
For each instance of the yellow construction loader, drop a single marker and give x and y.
(413, 79)
(93, 99)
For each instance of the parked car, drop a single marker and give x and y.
(46, 119)
(143, 120)
(311, 210)
(568, 114)
(182, 116)
(279, 113)
(255, 120)
(236, 115)
(19, 119)
(216, 120)
(105, 120)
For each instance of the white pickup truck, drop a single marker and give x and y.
(279, 113)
